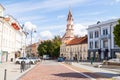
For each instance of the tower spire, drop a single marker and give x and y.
(69, 15)
(69, 34)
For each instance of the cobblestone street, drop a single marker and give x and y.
(50, 70)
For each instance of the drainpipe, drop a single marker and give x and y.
(100, 43)
(110, 42)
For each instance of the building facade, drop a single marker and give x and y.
(33, 48)
(73, 48)
(11, 37)
(101, 44)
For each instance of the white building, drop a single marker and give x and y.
(12, 37)
(101, 43)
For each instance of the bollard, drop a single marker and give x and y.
(5, 74)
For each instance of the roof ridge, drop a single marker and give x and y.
(79, 40)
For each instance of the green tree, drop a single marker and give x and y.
(50, 47)
(42, 49)
(56, 42)
(116, 33)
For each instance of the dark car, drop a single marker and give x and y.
(60, 59)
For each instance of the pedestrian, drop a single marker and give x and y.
(22, 66)
(92, 59)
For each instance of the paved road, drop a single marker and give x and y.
(51, 70)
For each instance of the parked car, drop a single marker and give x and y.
(33, 60)
(114, 60)
(46, 57)
(19, 60)
(37, 59)
(60, 59)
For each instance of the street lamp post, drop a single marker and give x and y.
(22, 41)
(31, 33)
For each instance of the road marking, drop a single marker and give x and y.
(79, 72)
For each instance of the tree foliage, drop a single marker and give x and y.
(116, 33)
(50, 47)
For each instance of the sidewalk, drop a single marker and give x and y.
(102, 71)
(13, 71)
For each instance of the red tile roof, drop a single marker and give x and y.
(79, 40)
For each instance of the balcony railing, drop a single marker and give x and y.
(105, 36)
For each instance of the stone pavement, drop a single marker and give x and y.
(13, 71)
(52, 70)
(108, 72)
(49, 70)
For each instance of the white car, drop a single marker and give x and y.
(33, 60)
(19, 60)
(36, 59)
(46, 57)
(114, 60)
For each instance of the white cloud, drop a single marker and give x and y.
(51, 27)
(47, 5)
(80, 30)
(46, 35)
(29, 26)
(61, 16)
(117, 0)
(93, 13)
(27, 18)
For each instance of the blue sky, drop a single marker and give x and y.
(49, 16)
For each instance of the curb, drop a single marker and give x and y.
(116, 78)
(28, 70)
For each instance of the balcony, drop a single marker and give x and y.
(105, 37)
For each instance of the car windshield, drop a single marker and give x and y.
(60, 57)
(23, 58)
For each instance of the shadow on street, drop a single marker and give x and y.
(77, 75)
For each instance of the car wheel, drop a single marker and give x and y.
(17, 62)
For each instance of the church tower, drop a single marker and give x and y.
(69, 34)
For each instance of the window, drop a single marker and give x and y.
(96, 44)
(96, 34)
(91, 35)
(91, 45)
(105, 31)
(105, 43)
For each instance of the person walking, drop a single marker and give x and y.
(22, 66)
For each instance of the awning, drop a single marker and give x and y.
(15, 26)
